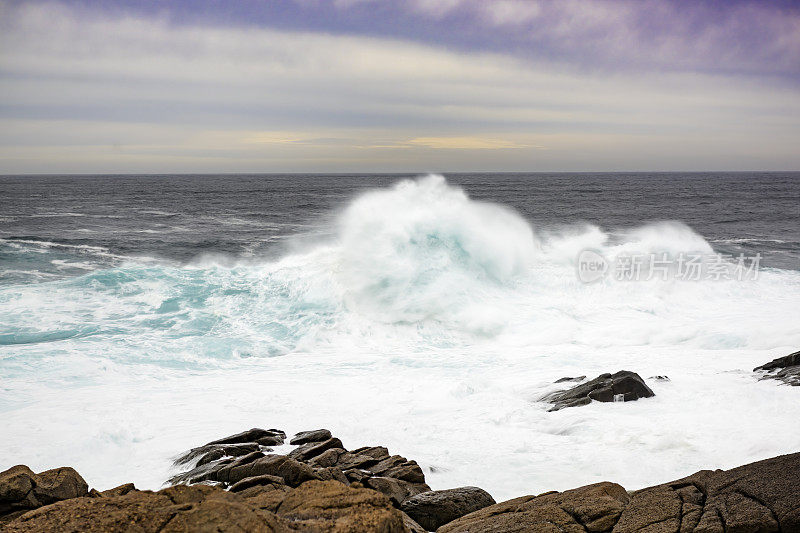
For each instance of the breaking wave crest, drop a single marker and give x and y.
(416, 265)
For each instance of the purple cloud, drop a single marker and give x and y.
(729, 37)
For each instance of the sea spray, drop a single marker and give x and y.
(423, 250)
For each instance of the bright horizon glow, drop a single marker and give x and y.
(121, 90)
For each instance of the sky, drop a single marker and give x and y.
(147, 86)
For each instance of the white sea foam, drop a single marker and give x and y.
(431, 324)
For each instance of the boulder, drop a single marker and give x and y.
(433, 509)
(593, 508)
(21, 488)
(786, 369)
(759, 497)
(317, 435)
(397, 490)
(624, 385)
(59, 484)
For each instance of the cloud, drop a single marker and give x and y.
(742, 36)
(467, 143)
(129, 92)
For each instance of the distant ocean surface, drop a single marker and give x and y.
(142, 315)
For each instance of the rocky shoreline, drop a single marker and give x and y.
(238, 483)
(319, 486)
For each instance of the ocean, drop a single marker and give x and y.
(144, 315)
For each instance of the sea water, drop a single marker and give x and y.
(144, 315)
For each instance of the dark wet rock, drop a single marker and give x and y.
(331, 472)
(660, 378)
(762, 496)
(396, 489)
(624, 385)
(793, 359)
(593, 508)
(387, 463)
(357, 475)
(366, 459)
(21, 488)
(201, 473)
(567, 379)
(264, 479)
(266, 437)
(408, 471)
(411, 525)
(212, 452)
(399, 467)
(270, 440)
(436, 508)
(293, 472)
(313, 449)
(786, 369)
(375, 452)
(327, 458)
(317, 435)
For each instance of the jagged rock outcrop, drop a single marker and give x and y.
(786, 369)
(623, 385)
(238, 464)
(368, 489)
(435, 508)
